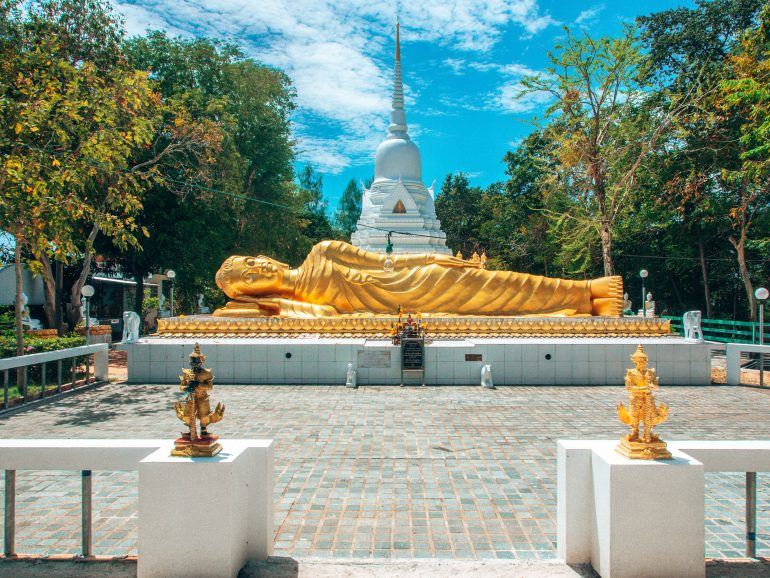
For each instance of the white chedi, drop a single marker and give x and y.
(398, 200)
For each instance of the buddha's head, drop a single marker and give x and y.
(250, 276)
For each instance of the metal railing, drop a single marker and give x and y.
(723, 330)
(67, 455)
(61, 357)
(9, 517)
(114, 455)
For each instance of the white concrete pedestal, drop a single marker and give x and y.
(205, 516)
(629, 517)
(648, 516)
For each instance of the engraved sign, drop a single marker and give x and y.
(373, 358)
(411, 354)
(473, 357)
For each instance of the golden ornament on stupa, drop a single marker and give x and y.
(642, 412)
(195, 408)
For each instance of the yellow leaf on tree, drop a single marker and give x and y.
(18, 127)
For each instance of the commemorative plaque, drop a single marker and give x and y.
(412, 358)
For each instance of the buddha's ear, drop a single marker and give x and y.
(274, 261)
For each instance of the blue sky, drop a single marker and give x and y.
(462, 60)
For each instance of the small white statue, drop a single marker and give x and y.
(162, 310)
(486, 377)
(649, 305)
(351, 378)
(25, 315)
(627, 305)
(691, 322)
(201, 306)
(92, 321)
(131, 324)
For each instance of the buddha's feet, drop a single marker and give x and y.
(607, 296)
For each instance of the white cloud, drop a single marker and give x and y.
(456, 65)
(588, 16)
(336, 52)
(513, 97)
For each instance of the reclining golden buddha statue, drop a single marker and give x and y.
(339, 279)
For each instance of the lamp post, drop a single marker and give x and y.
(761, 294)
(88, 291)
(643, 274)
(171, 274)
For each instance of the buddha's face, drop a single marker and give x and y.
(250, 276)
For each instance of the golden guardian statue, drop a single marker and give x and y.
(195, 408)
(641, 383)
(339, 279)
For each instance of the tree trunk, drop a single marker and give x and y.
(139, 296)
(740, 250)
(59, 287)
(704, 271)
(19, 302)
(49, 287)
(73, 309)
(606, 236)
(20, 373)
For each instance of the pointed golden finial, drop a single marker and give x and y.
(459, 255)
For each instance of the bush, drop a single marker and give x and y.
(37, 344)
(7, 318)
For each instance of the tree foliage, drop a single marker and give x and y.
(348, 210)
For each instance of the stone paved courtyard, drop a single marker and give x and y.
(387, 472)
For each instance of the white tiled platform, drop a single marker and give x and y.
(524, 361)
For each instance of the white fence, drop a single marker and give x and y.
(733, 353)
(646, 518)
(100, 351)
(232, 495)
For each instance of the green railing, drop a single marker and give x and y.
(723, 330)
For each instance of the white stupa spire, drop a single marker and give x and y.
(397, 126)
(398, 200)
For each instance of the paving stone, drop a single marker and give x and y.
(385, 472)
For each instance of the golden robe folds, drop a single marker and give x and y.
(337, 278)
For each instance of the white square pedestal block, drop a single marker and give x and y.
(205, 516)
(648, 516)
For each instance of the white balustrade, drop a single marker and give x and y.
(219, 510)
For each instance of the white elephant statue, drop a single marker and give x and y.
(351, 380)
(131, 323)
(691, 323)
(486, 377)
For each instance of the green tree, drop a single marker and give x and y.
(72, 112)
(702, 175)
(746, 94)
(348, 210)
(521, 225)
(458, 207)
(242, 202)
(317, 225)
(604, 125)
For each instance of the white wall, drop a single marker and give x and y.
(33, 286)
